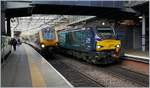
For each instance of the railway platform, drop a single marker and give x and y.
(137, 55)
(27, 68)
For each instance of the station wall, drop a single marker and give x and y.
(136, 38)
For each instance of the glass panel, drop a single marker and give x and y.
(48, 33)
(105, 33)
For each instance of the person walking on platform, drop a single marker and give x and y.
(14, 43)
(19, 42)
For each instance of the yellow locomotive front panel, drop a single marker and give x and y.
(109, 44)
(106, 42)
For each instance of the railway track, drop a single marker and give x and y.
(129, 75)
(118, 76)
(75, 77)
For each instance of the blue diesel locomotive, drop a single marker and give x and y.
(93, 44)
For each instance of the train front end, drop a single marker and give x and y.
(107, 44)
(48, 38)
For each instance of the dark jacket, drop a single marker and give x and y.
(13, 41)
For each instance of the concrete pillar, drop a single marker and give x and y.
(8, 27)
(2, 19)
(143, 32)
(3, 31)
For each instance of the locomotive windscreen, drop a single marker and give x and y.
(48, 34)
(105, 33)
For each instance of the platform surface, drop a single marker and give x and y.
(27, 68)
(137, 54)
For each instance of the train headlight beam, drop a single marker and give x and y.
(118, 46)
(42, 45)
(103, 23)
(98, 47)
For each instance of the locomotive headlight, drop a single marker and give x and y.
(42, 45)
(118, 46)
(98, 46)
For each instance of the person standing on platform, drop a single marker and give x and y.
(14, 43)
(19, 42)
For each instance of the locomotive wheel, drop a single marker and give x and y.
(84, 58)
(88, 59)
(118, 60)
(93, 61)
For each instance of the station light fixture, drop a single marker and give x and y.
(103, 23)
(140, 17)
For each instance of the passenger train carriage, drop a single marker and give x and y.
(45, 38)
(98, 45)
(48, 37)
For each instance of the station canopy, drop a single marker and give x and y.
(32, 24)
(33, 15)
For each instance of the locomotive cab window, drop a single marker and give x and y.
(105, 33)
(48, 34)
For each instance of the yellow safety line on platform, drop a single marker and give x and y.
(36, 76)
